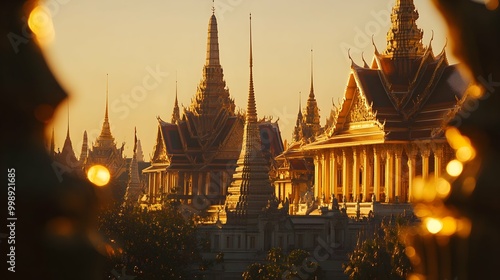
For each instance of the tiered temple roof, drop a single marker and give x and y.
(104, 150)
(405, 93)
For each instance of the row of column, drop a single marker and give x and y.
(371, 170)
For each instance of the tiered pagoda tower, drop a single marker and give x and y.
(251, 190)
(134, 186)
(104, 150)
(195, 156)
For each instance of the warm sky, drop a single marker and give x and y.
(129, 39)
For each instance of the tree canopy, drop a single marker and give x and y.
(278, 266)
(381, 256)
(149, 245)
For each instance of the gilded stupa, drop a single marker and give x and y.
(251, 190)
(104, 150)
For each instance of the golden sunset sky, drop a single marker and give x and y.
(145, 46)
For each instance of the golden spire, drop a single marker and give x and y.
(404, 38)
(311, 92)
(251, 107)
(84, 151)
(212, 42)
(311, 116)
(212, 96)
(251, 189)
(176, 112)
(106, 138)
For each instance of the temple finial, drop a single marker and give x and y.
(251, 109)
(311, 92)
(213, 7)
(67, 131)
(107, 87)
(135, 139)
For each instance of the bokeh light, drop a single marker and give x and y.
(433, 225)
(40, 23)
(454, 168)
(98, 175)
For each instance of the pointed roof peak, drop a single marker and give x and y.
(251, 107)
(404, 38)
(311, 91)
(106, 130)
(107, 88)
(67, 131)
(212, 42)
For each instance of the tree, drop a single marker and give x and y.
(382, 256)
(296, 265)
(149, 245)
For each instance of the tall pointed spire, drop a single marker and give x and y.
(251, 189)
(176, 112)
(251, 107)
(67, 155)
(311, 117)
(212, 97)
(212, 42)
(297, 131)
(84, 152)
(404, 38)
(106, 139)
(311, 91)
(134, 189)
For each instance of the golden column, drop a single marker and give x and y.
(425, 153)
(355, 174)
(345, 188)
(317, 178)
(438, 159)
(376, 172)
(389, 175)
(411, 151)
(398, 173)
(325, 186)
(333, 173)
(366, 166)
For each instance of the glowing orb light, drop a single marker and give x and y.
(98, 175)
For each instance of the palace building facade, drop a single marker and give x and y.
(387, 130)
(195, 155)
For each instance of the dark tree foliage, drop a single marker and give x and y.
(296, 265)
(149, 245)
(382, 256)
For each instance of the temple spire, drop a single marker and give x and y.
(176, 112)
(84, 152)
(133, 190)
(404, 38)
(251, 108)
(311, 116)
(297, 131)
(251, 189)
(212, 42)
(311, 92)
(106, 138)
